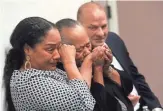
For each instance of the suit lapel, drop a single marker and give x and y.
(118, 52)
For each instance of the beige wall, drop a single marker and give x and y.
(141, 27)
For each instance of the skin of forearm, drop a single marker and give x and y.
(98, 75)
(86, 70)
(114, 75)
(72, 71)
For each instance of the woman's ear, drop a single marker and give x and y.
(27, 49)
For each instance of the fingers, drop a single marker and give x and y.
(108, 52)
(102, 52)
(66, 46)
(105, 46)
(99, 53)
(63, 45)
(108, 55)
(67, 52)
(98, 56)
(134, 99)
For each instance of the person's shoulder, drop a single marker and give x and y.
(20, 76)
(113, 38)
(113, 35)
(25, 76)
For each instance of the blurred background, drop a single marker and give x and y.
(139, 23)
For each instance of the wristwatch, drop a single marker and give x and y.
(157, 109)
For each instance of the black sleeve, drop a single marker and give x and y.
(99, 94)
(104, 100)
(126, 83)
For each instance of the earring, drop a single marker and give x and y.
(27, 63)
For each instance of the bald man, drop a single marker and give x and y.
(93, 17)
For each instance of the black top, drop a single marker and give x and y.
(105, 96)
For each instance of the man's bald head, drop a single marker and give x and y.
(94, 19)
(67, 24)
(89, 8)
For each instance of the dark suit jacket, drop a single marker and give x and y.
(121, 53)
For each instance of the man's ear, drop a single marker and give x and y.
(27, 49)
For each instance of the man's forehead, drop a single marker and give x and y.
(94, 16)
(76, 34)
(81, 45)
(97, 23)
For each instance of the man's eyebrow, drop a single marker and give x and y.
(93, 25)
(81, 47)
(104, 25)
(84, 45)
(51, 43)
(88, 42)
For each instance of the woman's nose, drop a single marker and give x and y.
(56, 55)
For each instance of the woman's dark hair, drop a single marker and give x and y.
(29, 31)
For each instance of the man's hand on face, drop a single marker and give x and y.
(108, 54)
(107, 69)
(108, 59)
(98, 56)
